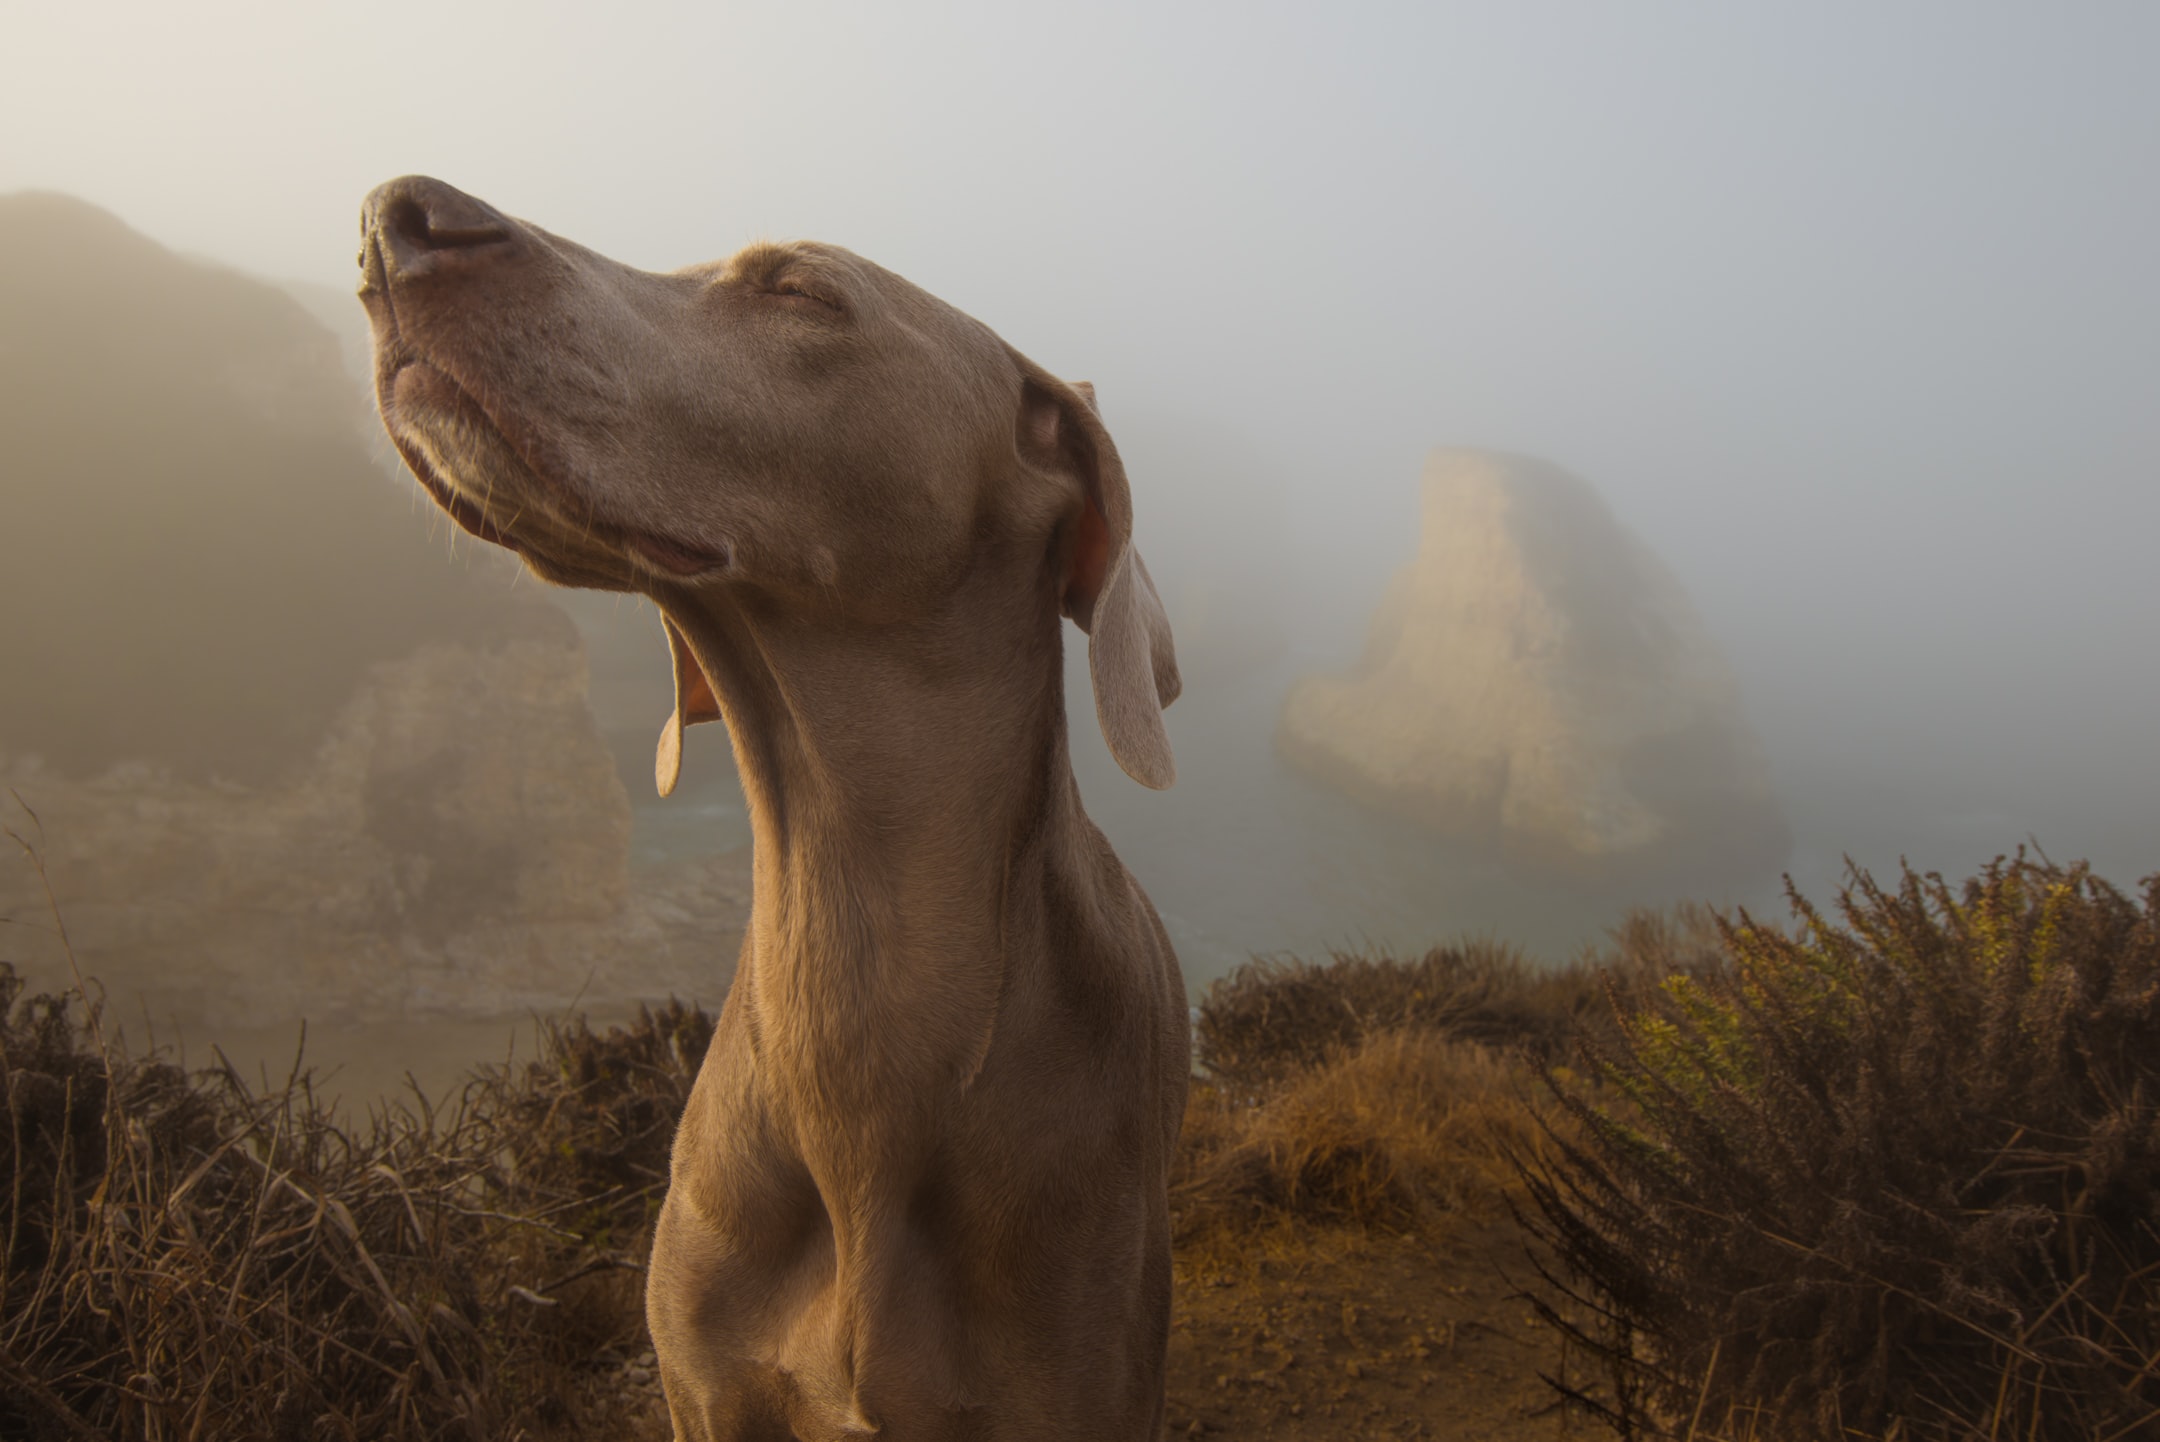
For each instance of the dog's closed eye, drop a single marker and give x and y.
(789, 288)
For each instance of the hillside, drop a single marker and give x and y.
(201, 557)
(284, 756)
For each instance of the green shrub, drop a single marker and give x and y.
(1899, 1176)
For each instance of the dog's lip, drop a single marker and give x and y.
(677, 558)
(464, 512)
(396, 361)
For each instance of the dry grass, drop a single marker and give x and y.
(184, 1258)
(1275, 1018)
(1369, 1093)
(1406, 1126)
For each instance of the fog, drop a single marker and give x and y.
(1848, 311)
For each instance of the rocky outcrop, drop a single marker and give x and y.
(284, 757)
(459, 797)
(202, 559)
(458, 847)
(1537, 679)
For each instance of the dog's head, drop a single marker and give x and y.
(794, 420)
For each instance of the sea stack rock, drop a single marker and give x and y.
(1537, 679)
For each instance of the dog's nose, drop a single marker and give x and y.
(416, 223)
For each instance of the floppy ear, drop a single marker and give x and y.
(1105, 586)
(694, 702)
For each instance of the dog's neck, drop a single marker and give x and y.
(910, 792)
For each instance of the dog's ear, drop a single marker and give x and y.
(694, 702)
(1104, 585)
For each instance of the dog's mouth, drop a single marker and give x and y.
(399, 423)
(444, 432)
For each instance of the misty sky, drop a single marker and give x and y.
(1851, 310)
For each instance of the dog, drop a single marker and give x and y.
(919, 1189)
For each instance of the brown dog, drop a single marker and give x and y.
(919, 1189)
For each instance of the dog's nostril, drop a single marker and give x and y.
(405, 218)
(419, 228)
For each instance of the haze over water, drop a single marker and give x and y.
(1848, 311)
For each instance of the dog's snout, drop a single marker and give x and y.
(415, 223)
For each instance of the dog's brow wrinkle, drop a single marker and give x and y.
(757, 261)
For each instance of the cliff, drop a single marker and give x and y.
(285, 757)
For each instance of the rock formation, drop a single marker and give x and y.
(285, 758)
(1535, 678)
(199, 558)
(458, 816)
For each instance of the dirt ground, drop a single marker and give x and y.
(1353, 1336)
(1333, 1337)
